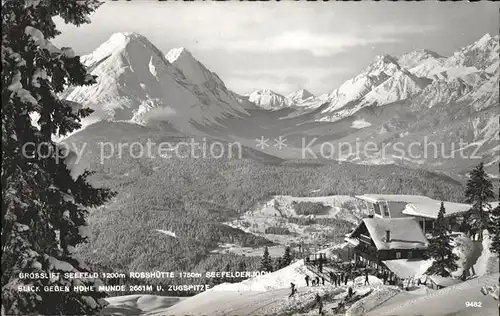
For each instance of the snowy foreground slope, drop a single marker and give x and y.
(268, 295)
(449, 301)
(138, 304)
(263, 295)
(379, 300)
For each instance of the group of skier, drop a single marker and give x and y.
(314, 281)
(335, 278)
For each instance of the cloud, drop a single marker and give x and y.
(159, 114)
(319, 44)
(399, 30)
(326, 44)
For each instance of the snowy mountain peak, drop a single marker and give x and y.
(484, 40)
(268, 99)
(299, 98)
(137, 83)
(485, 43)
(416, 57)
(382, 64)
(126, 35)
(265, 91)
(122, 39)
(385, 59)
(124, 46)
(301, 94)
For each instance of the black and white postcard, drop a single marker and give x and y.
(250, 158)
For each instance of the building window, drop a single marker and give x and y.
(398, 255)
(376, 209)
(386, 210)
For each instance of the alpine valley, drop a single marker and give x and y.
(420, 97)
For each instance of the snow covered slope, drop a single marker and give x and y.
(137, 304)
(136, 81)
(448, 301)
(207, 84)
(268, 100)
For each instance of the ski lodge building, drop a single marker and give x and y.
(423, 209)
(393, 236)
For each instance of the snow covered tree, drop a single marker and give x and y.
(278, 264)
(45, 193)
(266, 264)
(494, 230)
(440, 248)
(287, 257)
(478, 192)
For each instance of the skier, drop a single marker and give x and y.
(319, 303)
(307, 280)
(346, 278)
(350, 292)
(341, 278)
(317, 280)
(293, 290)
(366, 278)
(385, 276)
(322, 280)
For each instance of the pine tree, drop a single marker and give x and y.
(226, 279)
(494, 230)
(242, 267)
(266, 263)
(440, 248)
(287, 257)
(478, 192)
(278, 264)
(44, 196)
(217, 279)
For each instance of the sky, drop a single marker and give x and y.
(286, 46)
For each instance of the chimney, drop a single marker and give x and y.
(387, 236)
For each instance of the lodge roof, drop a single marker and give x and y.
(407, 268)
(405, 233)
(417, 205)
(443, 281)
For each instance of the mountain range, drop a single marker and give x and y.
(145, 95)
(403, 99)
